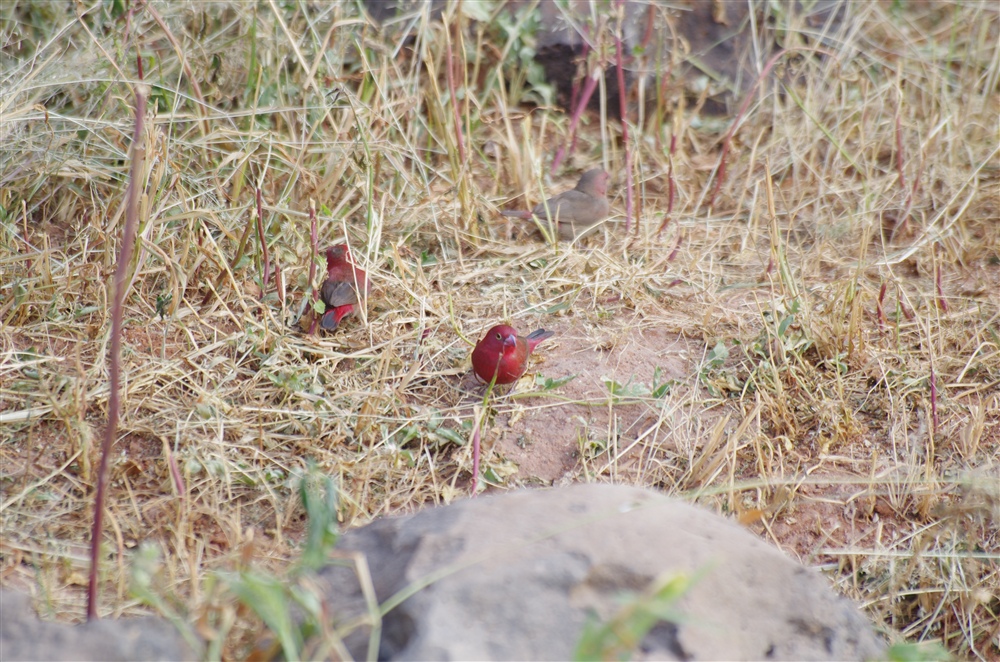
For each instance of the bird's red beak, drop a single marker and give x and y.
(510, 340)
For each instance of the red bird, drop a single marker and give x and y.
(341, 287)
(503, 353)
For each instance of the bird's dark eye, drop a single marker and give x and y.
(499, 337)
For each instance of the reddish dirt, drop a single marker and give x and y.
(547, 438)
(544, 435)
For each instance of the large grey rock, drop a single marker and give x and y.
(516, 576)
(24, 637)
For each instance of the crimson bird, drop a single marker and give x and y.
(575, 211)
(503, 353)
(341, 287)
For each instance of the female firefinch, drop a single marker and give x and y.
(577, 210)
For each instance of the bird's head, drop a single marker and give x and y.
(502, 336)
(337, 253)
(594, 182)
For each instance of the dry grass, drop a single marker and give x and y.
(836, 309)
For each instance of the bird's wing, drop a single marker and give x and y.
(338, 293)
(564, 207)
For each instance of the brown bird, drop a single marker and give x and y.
(341, 287)
(575, 211)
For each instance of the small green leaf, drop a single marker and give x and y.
(550, 384)
(621, 636)
(785, 323)
(717, 357)
(243, 478)
(450, 435)
(490, 476)
(267, 596)
(629, 390)
(662, 389)
(86, 310)
(319, 494)
(477, 11)
(163, 303)
(917, 652)
(117, 9)
(406, 434)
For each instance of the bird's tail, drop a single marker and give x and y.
(538, 336)
(329, 320)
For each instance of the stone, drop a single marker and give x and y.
(518, 575)
(24, 637)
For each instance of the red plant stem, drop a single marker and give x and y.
(623, 114)
(588, 91)
(314, 251)
(677, 247)
(647, 38)
(175, 470)
(454, 99)
(114, 402)
(574, 94)
(263, 244)
(881, 309)
(279, 282)
(671, 186)
(907, 313)
(720, 175)
(942, 304)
